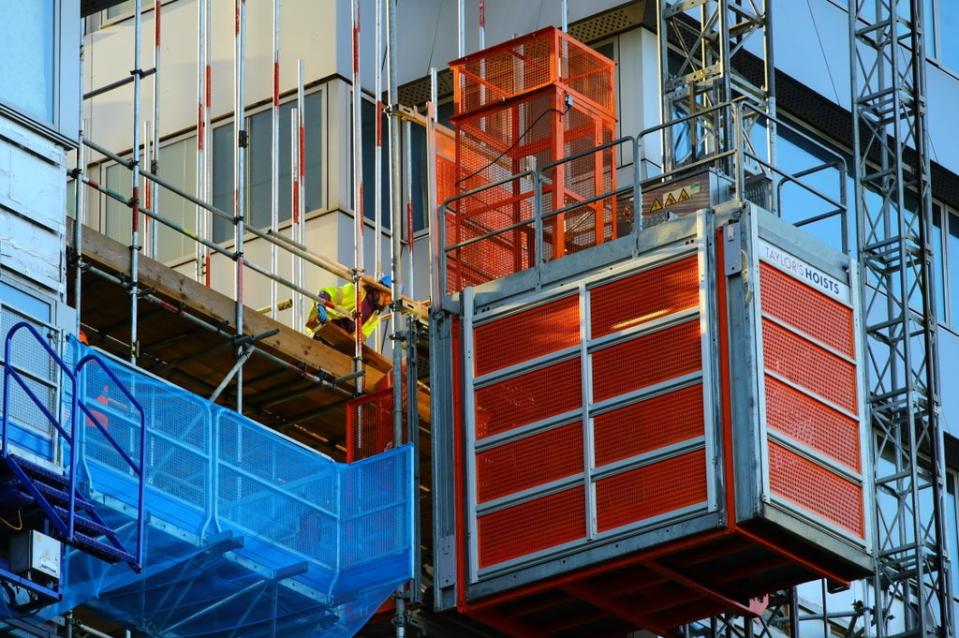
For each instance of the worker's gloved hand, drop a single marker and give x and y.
(322, 314)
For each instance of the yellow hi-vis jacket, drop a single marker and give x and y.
(344, 298)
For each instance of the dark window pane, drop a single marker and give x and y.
(223, 180)
(952, 255)
(314, 151)
(938, 280)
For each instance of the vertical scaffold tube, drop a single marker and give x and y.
(396, 224)
(460, 27)
(357, 195)
(295, 200)
(275, 153)
(378, 153)
(135, 194)
(155, 144)
(408, 202)
(78, 204)
(239, 178)
(299, 219)
(481, 10)
(202, 217)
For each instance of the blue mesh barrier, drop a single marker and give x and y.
(248, 532)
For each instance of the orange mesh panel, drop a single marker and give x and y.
(526, 335)
(528, 397)
(812, 423)
(807, 365)
(532, 526)
(816, 489)
(530, 62)
(808, 310)
(646, 360)
(648, 491)
(654, 423)
(528, 462)
(648, 295)
(445, 163)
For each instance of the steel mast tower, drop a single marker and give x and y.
(889, 116)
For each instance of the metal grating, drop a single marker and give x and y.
(646, 360)
(810, 366)
(526, 335)
(651, 294)
(813, 424)
(647, 425)
(530, 461)
(816, 489)
(651, 490)
(528, 397)
(532, 526)
(807, 310)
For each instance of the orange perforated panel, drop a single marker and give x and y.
(816, 489)
(645, 296)
(793, 302)
(813, 423)
(646, 360)
(530, 461)
(526, 335)
(528, 397)
(654, 423)
(810, 366)
(532, 526)
(648, 491)
(529, 62)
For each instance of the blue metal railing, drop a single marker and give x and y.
(69, 435)
(139, 466)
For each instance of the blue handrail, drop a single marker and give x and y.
(69, 433)
(139, 467)
(9, 373)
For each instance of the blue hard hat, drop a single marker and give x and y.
(386, 280)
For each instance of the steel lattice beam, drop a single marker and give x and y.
(889, 114)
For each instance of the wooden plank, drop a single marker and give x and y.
(335, 359)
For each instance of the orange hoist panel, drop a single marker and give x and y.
(662, 436)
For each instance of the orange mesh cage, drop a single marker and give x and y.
(445, 163)
(813, 424)
(816, 489)
(648, 491)
(808, 365)
(530, 62)
(646, 360)
(532, 526)
(649, 424)
(530, 461)
(793, 302)
(529, 397)
(526, 335)
(520, 114)
(651, 294)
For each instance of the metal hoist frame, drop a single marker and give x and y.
(702, 64)
(889, 116)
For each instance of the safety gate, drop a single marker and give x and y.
(587, 417)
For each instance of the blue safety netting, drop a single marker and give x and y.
(248, 533)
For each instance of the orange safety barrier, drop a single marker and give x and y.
(526, 105)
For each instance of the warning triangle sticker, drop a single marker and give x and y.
(670, 200)
(683, 195)
(657, 205)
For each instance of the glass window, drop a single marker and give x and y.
(938, 272)
(259, 126)
(178, 166)
(949, 25)
(369, 144)
(952, 249)
(27, 52)
(223, 180)
(259, 177)
(120, 9)
(929, 20)
(116, 222)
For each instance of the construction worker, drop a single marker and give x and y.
(340, 300)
